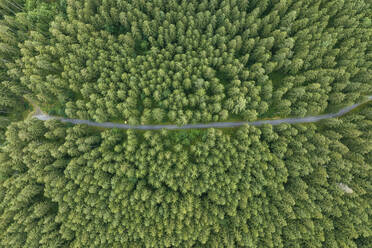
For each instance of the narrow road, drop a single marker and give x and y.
(38, 114)
(42, 116)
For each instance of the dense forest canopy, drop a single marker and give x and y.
(192, 61)
(247, 187)
(185, 61)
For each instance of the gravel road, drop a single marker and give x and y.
(42, 116)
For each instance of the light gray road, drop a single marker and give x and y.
(307, 119)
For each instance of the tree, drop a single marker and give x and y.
(158, 114)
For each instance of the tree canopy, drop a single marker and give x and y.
(185, 61)
(194, 61)
(253, 187)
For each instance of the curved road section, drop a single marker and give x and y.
(41, 116)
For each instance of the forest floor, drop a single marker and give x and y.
(39, 114)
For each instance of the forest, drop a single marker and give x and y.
(188, 61)
(182, 62)
(247, 187)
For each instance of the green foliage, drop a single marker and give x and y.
(127, 59)
(28, 217)
(12, 106)
(183, 62)
(12, 109)
(40, 14)
(255, 187)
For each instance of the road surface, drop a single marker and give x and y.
(42, 116)
(38, 114)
